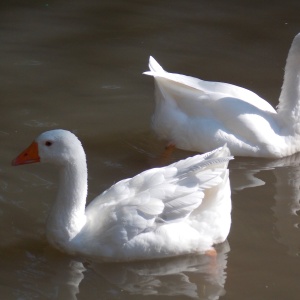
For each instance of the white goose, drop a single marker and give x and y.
(179, 209)
(198, 115)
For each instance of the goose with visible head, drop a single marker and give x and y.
(198, 115)
(162, 212)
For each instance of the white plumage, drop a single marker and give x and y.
(199, 115)
(179, 209)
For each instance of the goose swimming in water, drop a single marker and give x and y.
(179, 209)
(197, 115)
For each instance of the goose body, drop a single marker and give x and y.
(162, 212)
(199, 115)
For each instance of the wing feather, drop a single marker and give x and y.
(168, 194)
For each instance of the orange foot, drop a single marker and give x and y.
(213, 264)
(211, 252)
(166, 155)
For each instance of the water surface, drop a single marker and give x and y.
(78, 65)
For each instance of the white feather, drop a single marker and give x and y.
(162, 212)
(199, 115)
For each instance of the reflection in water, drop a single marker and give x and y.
(199, 276)
(246, 179)
(36, 274)
(287, 205)
(47, 274)
(286, 194)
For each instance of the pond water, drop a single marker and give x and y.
(78, 65)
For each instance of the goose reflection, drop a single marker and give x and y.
(196, 276)
(44, 273)
(286, 208)
(287, 204)
(30, 271)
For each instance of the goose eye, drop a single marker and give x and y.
(48, 143)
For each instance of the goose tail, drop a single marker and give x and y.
(155, 67)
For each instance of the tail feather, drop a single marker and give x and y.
(157, 71)
(154, 66)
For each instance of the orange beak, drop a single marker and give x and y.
(28, 156)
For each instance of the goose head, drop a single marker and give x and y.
(59, 147)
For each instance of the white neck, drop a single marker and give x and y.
(67, 216)
(289, 100)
